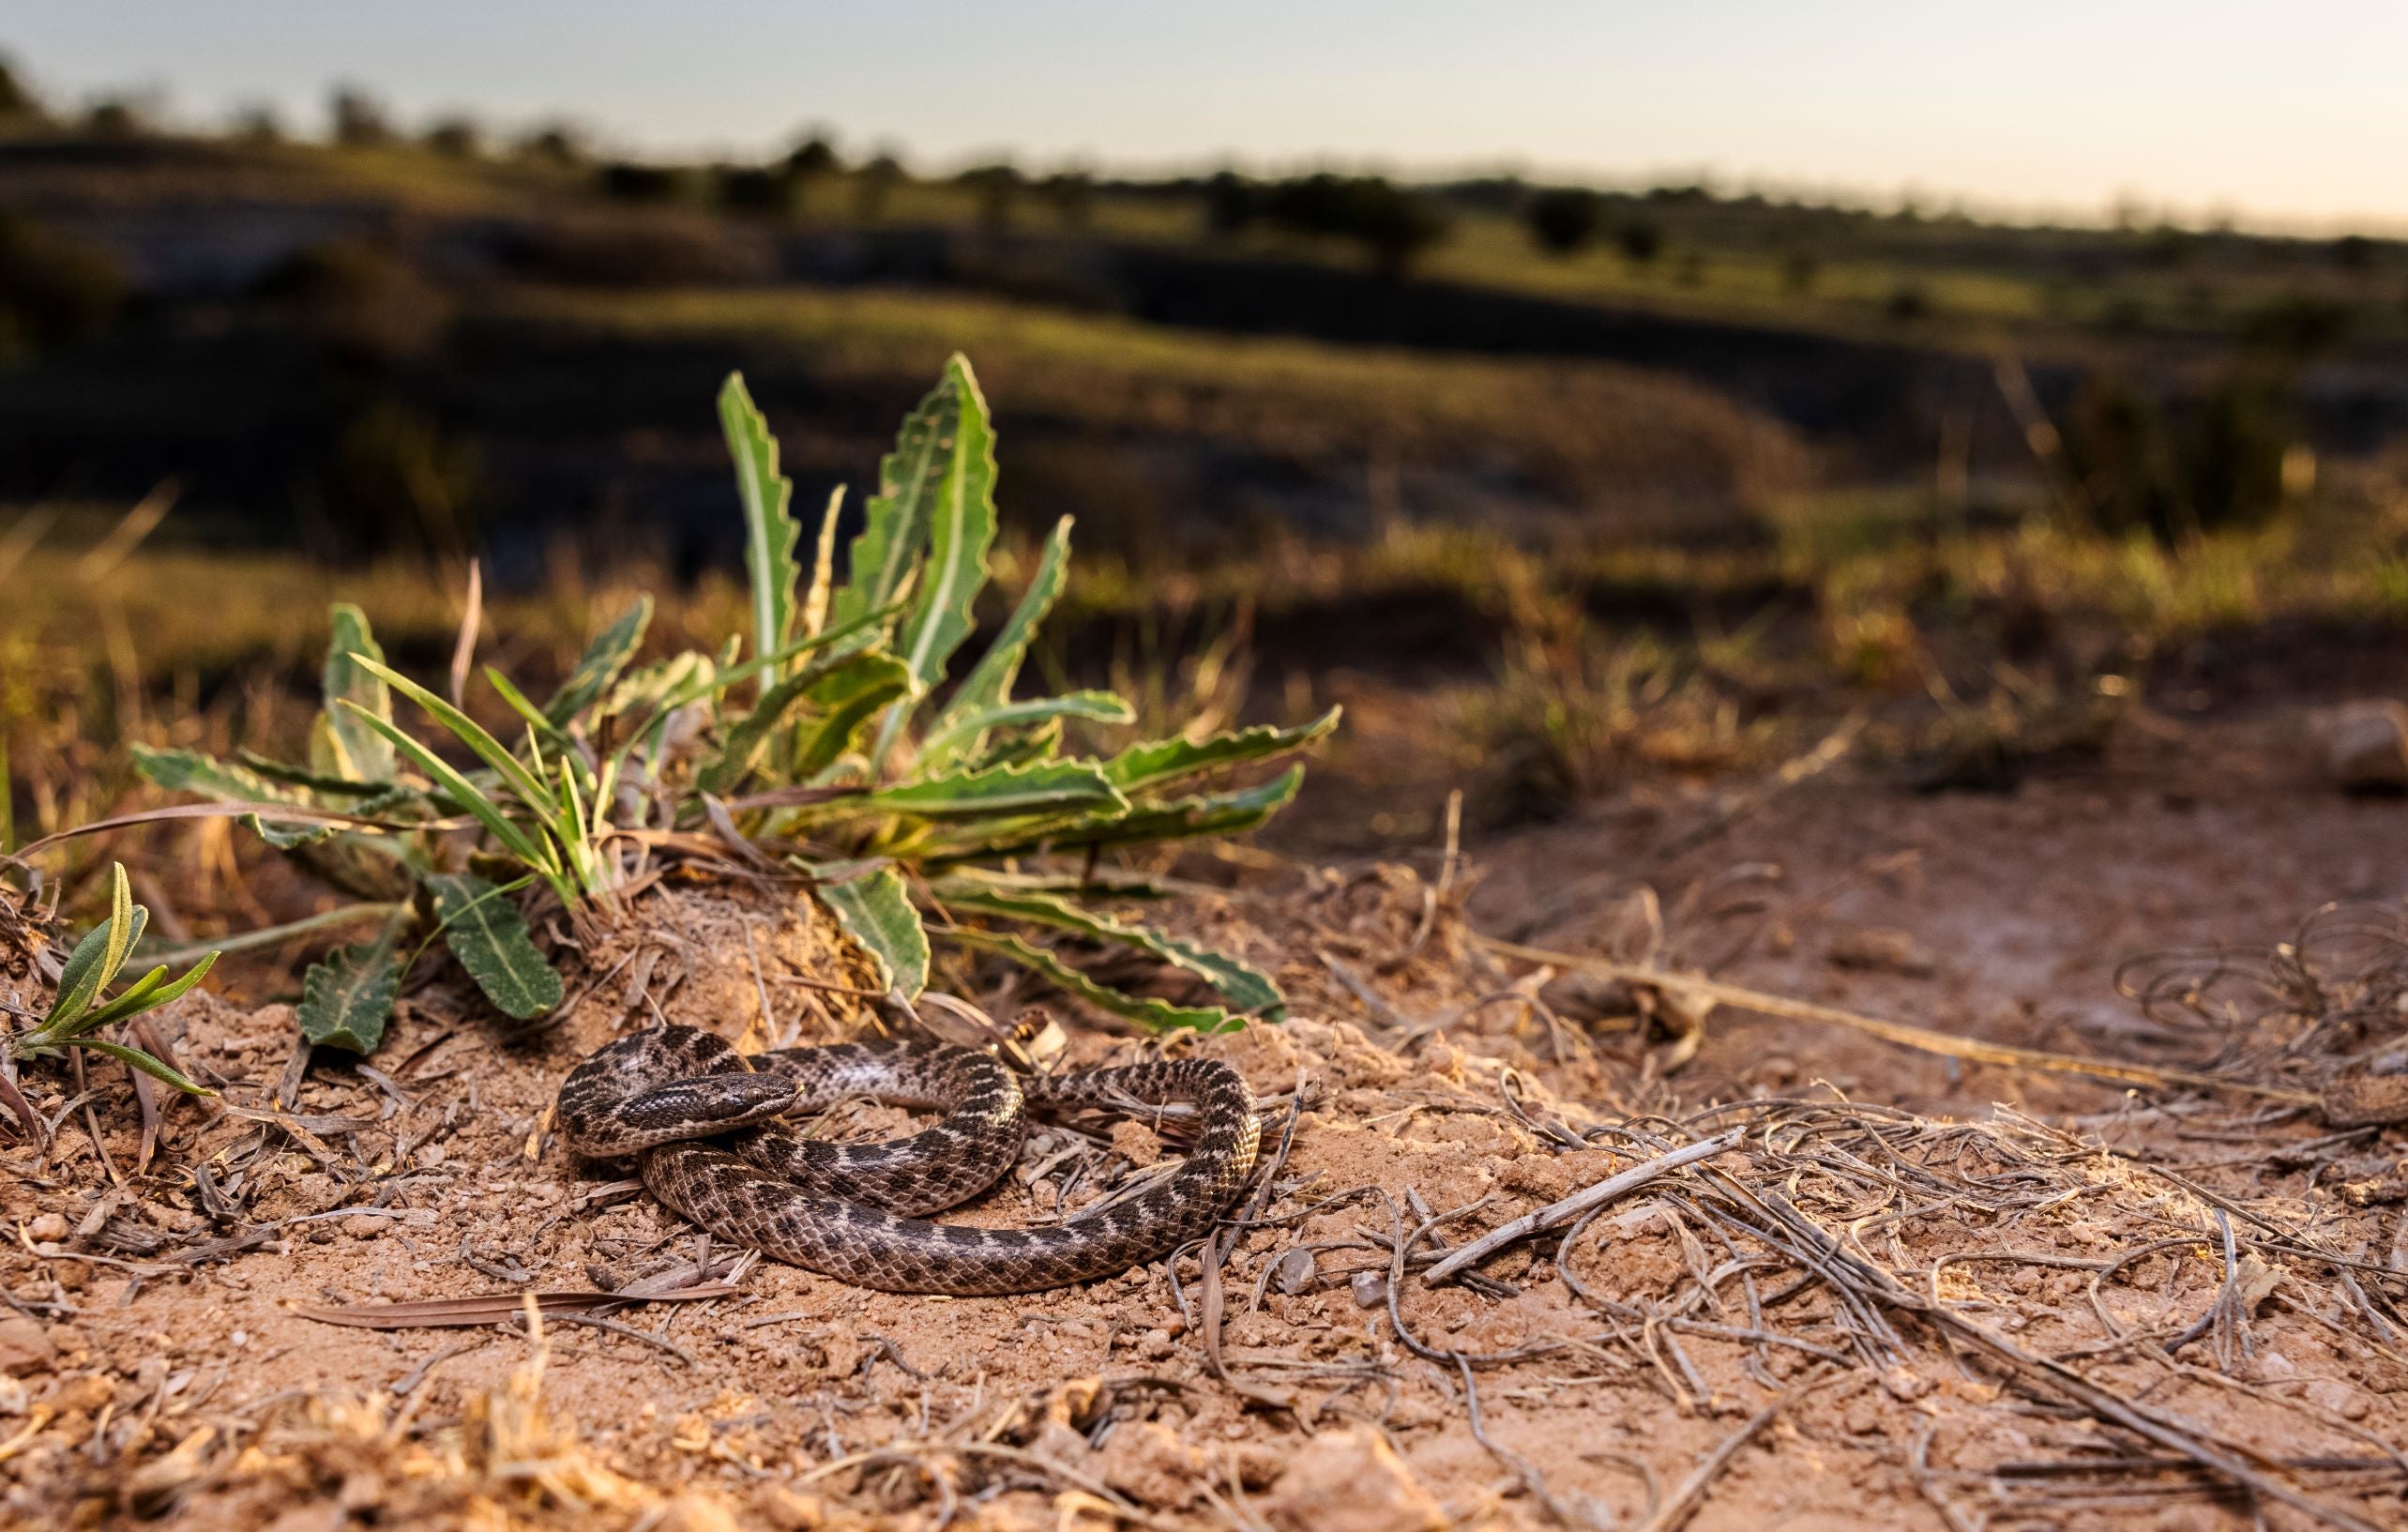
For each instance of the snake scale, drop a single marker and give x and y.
(703, 1122)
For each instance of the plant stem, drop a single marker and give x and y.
(346, 914)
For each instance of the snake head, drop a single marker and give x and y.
(697, 1106)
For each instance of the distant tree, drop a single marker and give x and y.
(1641, 241)
(1071, 194)
(874, 183)
(1566, 220)
(997, 186)
(1392, 225)
(257, 124)
(815, 156)
(1230, 202)
(758, 188)
(558, 144)
(19, 106)
(359, 118)
(457, 138)
(117, 117)
(2354, 252)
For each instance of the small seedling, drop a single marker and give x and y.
(83, 1005)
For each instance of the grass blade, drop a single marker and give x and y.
(465, 729)
(962, 737)
(487, 812)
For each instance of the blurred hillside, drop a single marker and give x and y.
(430, 343)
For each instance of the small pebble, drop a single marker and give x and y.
(431, 1153)
(48, 1226)
(1295, 1272)
(1371, 1289)
(238, 1340)
(364, 1225)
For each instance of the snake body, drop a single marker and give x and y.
(703, 1122)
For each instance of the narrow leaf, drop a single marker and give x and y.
(465, 729)
(876, 912)
(1152, 1014)
(150, 1064)
(469, 796)
(360, 753)
(1246, 988)
(1147, 768)
(990, 682)
(347, 998)
(1040, 786)
(151, 994)
(770, 533)
(484, 929)
(959, 738)
(1215, 813)
(815, 614)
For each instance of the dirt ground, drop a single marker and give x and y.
(1883, 1288)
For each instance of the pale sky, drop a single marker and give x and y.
(2291, 113)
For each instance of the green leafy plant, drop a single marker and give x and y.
(919, 808)
(83, 1003)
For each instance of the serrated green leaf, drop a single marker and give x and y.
(843, 701)
(314, 781)
(990, 682)
(485, 931)
(1150, 766)
(1040, 786)
(961, 529)
(347, 997)
(1018, 747)
(1152, 1014)
(191, 771)
(822, 687)
(894, 531)
(359, 753)
(1214, 813)
(1246, 988)
(770, 533)
(600, 664)
(962, 734)
(876, 912)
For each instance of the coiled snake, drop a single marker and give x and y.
(701, 1120)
